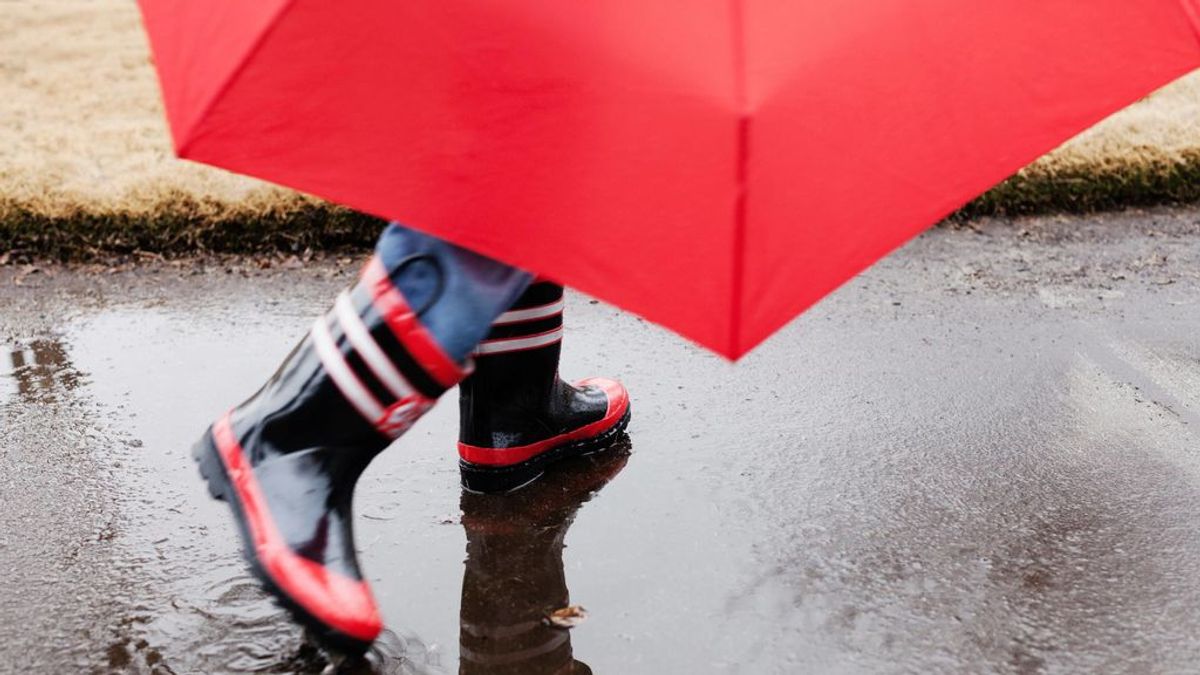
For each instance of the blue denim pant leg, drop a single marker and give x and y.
(456, 293)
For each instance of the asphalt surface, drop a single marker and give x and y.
(982, 455)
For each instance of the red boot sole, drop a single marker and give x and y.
(499, 479)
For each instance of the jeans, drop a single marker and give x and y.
(456, 293)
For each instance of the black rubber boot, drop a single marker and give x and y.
(287, 459)
(517, 415)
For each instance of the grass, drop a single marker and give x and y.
(86, 163)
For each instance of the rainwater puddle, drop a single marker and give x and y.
(868, 492)
(958, 482)
(464, 581)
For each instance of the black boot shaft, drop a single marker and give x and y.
(515, 394)
(517, 414)
(317, 423)
(351, 383)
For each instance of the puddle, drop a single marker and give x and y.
(905, 490)
(165, 374)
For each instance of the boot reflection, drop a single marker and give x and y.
(514, 569)
(43, 371)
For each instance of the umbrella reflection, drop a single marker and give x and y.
(514, 570)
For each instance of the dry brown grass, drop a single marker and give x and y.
(85, 156)
(83, 126)
(85, 159)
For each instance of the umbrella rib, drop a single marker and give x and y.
(236, 73)
(742, 148)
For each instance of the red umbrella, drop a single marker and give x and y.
(717, 167)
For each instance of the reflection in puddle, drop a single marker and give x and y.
(38, 371)
(513, 577)
(233, 627)
(514, 571)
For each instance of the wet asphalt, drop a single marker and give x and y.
(982, 455)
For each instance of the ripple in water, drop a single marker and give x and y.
(227, 624)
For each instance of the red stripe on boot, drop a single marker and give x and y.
(407, 328)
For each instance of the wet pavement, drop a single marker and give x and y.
(980, 456)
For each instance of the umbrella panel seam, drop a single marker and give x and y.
(738, 269)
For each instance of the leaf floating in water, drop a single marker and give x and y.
(567, 617)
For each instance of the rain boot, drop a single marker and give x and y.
(287, 460)
(516, 414)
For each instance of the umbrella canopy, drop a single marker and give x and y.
(716, 166)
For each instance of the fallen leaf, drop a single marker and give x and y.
(567, 617)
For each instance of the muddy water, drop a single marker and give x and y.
(978, 457)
